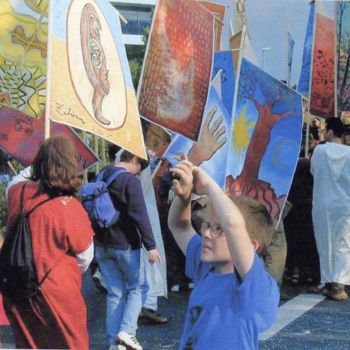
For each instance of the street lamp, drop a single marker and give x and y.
(263, 50)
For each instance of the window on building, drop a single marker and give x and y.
(138, 19)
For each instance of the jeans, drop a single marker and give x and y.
(151, 303)
(121, 272)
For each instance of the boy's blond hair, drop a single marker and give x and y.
(259, 223)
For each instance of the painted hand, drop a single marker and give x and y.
(209, 140)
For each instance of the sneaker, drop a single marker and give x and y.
(339, 296)
(152, 316)
(175, 288)
(129, 340)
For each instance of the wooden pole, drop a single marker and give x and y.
(85, 175)
(96, 138)
(307, 137)
(12, 168)
(103, 150)
(48, 81)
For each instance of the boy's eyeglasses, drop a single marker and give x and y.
(215, 230)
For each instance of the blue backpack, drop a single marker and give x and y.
(97, 201)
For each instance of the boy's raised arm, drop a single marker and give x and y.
(230, 219)
(179, 219)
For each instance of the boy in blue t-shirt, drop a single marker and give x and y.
(234, 297)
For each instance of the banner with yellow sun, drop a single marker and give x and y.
(266, 138)
(23, 55)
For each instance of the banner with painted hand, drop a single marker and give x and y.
(210, 151)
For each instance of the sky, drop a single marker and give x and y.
(267, 22)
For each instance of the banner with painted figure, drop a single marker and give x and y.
(266, 138)
(304, 80)
(343, 50)
(210, 151)
(225, 22)
(322, 87)
(89, 75)
(23, 55)
(21, 136)
(176, 71)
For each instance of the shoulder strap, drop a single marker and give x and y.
(115, 174)
(38, 205)
(100, 174)
(22, 201)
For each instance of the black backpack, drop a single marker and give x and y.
(18, 277)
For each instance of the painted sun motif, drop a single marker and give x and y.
(241, 134)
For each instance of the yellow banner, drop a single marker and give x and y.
(23, 55)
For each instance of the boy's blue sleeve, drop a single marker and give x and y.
(259, 296)
(195, 268)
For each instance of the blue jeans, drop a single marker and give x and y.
(121, 272)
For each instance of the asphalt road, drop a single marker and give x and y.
(326, 325)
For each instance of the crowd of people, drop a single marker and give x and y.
(233, 254)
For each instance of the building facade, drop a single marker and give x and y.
(138, 15)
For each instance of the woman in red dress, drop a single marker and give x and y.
(55, 318)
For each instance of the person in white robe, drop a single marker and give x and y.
(330, 166)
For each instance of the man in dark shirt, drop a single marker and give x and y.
(118, 252)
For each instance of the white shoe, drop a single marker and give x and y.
(190, 285)
(175, 288)
(129, 340)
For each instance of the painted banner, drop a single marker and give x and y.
(210, 152)
(21, 135)
(157, 139)
(225, 22)
(235, 45)
(304, 80)
(219, 14)
(23, 55)
(322, 89)
(266, 139)
(155, 273)
(89, 75)
(177, 67)
(223, 61)
(343, 41)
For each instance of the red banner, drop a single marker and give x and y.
(21, 135)
(322, 84)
